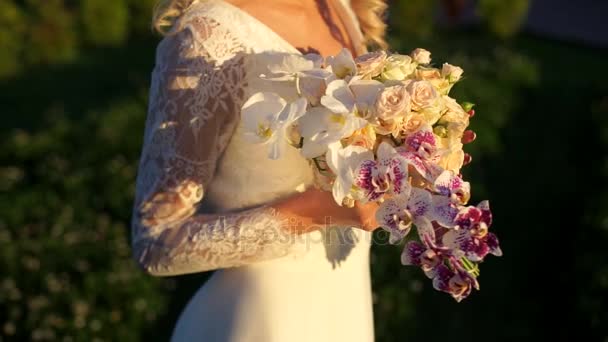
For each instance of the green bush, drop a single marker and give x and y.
(106, 22)
(12, 27)
(51, 33)
(503, 17)
(65, 256)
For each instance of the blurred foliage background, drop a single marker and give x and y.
(74, 77)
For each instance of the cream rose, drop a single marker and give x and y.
(365, 137)
(412, 123)
(454, 114)
(454, 121)
(390, 126)
(398, 67)
(427, 74)
(421, 56)
(431, 114)
(434, 76)
(452, 73)
(371, 64)
(393, 101)
(423, 95)
(452, 159)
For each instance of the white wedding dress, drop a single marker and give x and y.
(270, 285)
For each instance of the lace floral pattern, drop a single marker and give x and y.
(196, 94)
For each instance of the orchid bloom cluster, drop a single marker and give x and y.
(381, 127)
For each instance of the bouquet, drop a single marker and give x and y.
(382, 127)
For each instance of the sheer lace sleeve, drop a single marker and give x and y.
(195, 100)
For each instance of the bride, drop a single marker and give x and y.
(291, 264)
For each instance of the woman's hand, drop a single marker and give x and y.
(367, 215)
(316, 209)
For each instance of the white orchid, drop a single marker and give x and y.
(320, 127)
(312, 84)
(343, 64)
(288, 67)
(305, 71)
(343, 162)
(267, 118)
(356, 96)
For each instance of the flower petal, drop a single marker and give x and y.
(419, 202)
(313, 121)
(312, 149)
(411, 253)
(443, 211)
(293, 111)
(276, 149)
(366, 93)
(364, 177)
(425, 229)
(338, 98)
(399, 175)
(390, 216)
(493, 244)
(442, 277)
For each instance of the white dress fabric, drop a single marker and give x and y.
(269, 285)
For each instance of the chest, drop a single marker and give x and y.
(317, 28)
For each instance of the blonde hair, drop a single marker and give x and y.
(370, 14)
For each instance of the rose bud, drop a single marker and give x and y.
(468, 136)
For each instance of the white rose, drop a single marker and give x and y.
(398, 67)
(421, 56)
(423, 95)
(452, 73)
(393, 101)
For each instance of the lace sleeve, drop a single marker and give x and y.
(195, 100)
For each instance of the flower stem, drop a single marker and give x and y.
(470, 266)
(318, 165)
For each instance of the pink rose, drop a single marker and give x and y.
(393, 101)
(421, 56)
(371, 64)
(423, 95)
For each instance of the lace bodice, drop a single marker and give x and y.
(193, 157)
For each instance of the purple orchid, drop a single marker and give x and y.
(428, 258)
(397, 214)
(458, 282)
(388, 174)
(434, 261)
(420, 151)
(422, 143)
(451, 185)
(470, 235)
